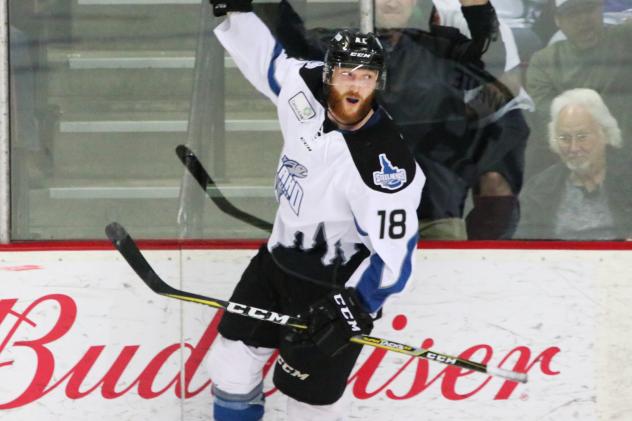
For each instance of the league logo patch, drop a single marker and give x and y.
(287, 185)
(390, 177)
(301, 107)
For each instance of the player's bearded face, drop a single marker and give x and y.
(349, 102)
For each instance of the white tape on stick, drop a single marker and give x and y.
(506, 374)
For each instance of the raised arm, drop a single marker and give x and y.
(477, 22)
(261, 59)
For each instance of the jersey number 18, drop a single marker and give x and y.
(396, 222)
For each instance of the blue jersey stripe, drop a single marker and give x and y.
(369, 285)
(360, 230)
(272, 82)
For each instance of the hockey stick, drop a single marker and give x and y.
(130, 252)
(124, 243)
(199, 173)
(194, 166)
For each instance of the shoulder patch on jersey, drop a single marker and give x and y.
(389, 177)
(301, 107)
(381, 156)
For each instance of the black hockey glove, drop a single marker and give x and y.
(221, 7)
(335, 319)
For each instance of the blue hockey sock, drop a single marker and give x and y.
(238, 407)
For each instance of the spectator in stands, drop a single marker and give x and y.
(593, 56)
(587, 195)
(430, 75)
(516, 16)
(499, 172)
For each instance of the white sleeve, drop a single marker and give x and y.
(388, 226)
(258, 55)
(513, 58)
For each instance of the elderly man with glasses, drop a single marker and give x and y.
(586, 196)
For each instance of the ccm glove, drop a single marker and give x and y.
(335, 319)
(221, 7)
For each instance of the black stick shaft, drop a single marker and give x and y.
(130, 252)
(196, 169)
(124, 243)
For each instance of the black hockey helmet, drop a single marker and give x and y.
(355, 49)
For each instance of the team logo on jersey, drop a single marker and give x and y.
(301, 107)
(287, 185)
(294, 168)
(390, 177)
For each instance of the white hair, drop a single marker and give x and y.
(592, 101)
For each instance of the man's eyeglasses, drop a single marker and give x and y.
(581, 138)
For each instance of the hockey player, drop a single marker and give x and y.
(345, 231)
(461, 144)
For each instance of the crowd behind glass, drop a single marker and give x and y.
(521, 127)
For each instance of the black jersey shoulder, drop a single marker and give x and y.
(380, 155)
(313, 78)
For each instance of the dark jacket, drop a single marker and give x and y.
(542, 195)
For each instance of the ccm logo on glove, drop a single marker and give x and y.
(346, 313)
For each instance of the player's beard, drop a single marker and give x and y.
(345, 112)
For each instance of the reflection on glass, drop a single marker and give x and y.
(102, 93)
(31, 159)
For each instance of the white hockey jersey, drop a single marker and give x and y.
(347, 200)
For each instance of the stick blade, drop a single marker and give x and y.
(116, 233)
(126, 246)
(199, 173)
(507, 374)
(182, 151)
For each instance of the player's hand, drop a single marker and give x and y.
(221, 7)
(335, 319)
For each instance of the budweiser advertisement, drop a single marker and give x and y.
(82, 338)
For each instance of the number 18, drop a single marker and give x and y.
(396, 223)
